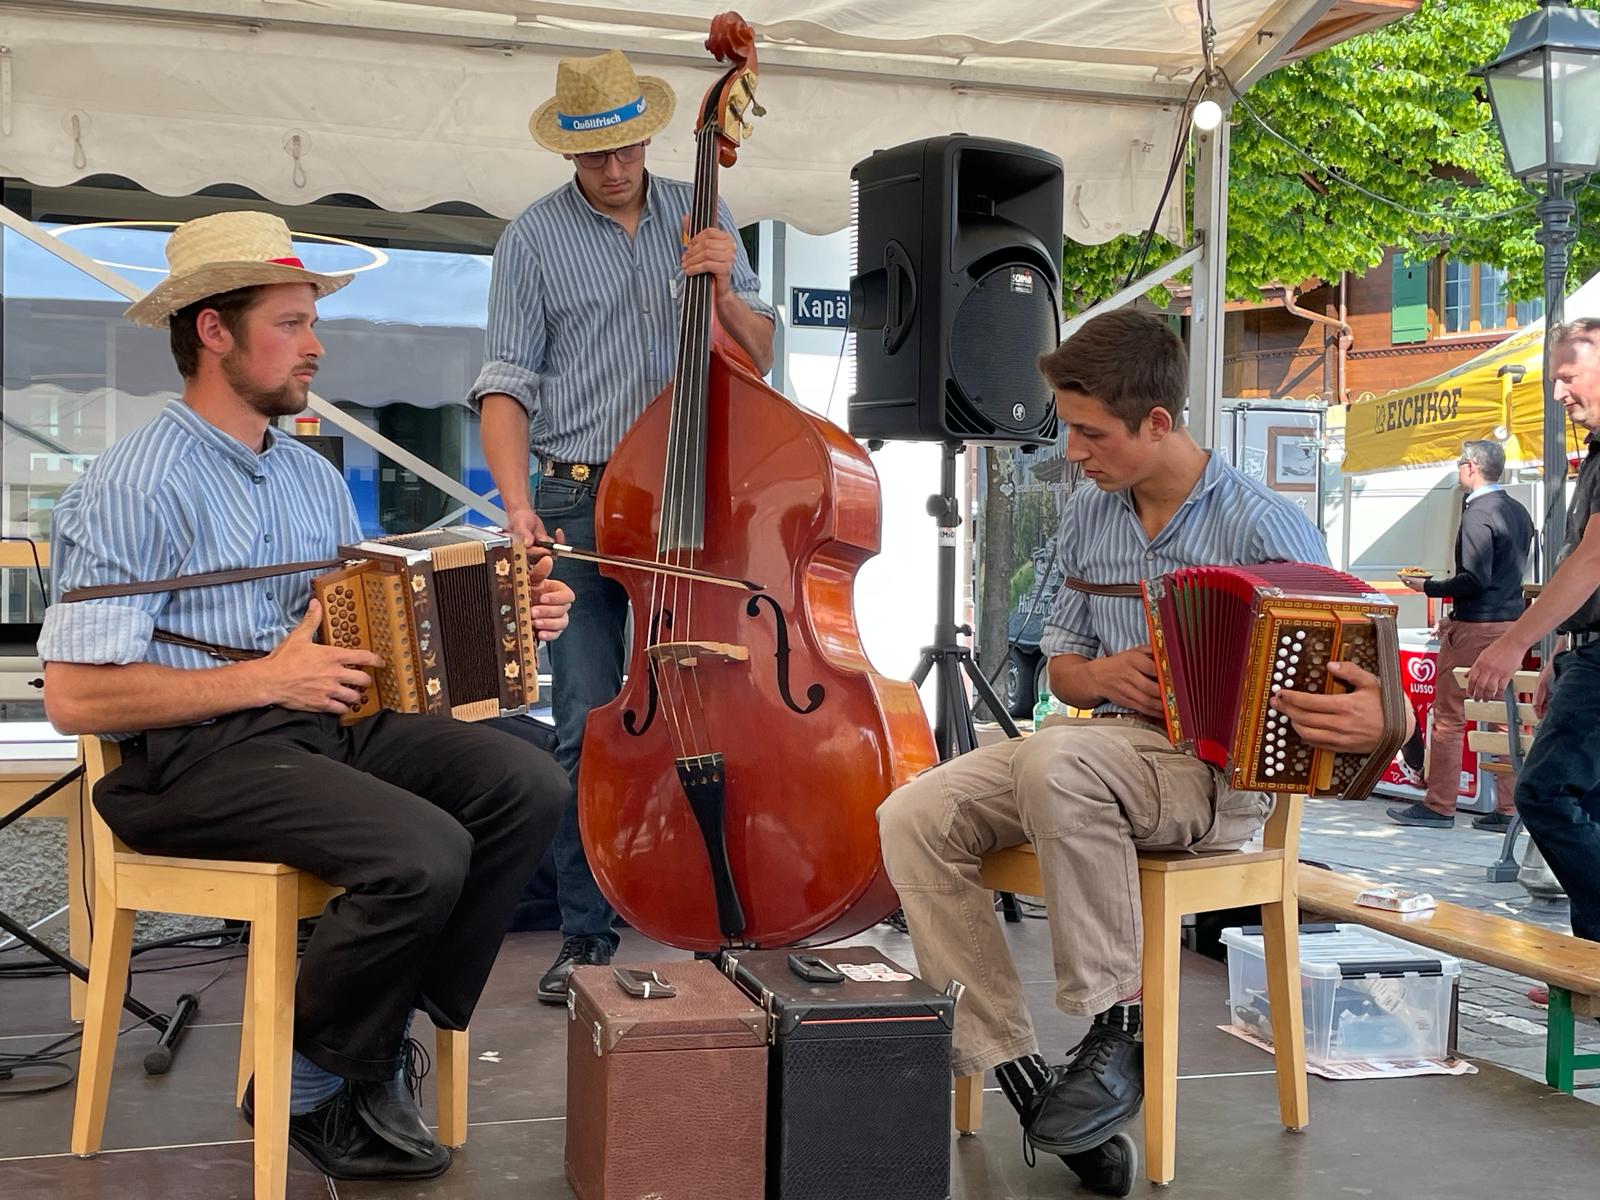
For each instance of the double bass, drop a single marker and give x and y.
(727, 796)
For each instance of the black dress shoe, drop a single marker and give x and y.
(582, 951)
(1421, 816)
(337, 1142)
(1092, 1097)
(389, 1107)
(1109, 1168)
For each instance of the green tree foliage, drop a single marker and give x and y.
(1396, 111)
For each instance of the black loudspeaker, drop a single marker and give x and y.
(956, 291)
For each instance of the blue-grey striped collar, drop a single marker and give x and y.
(1215, 470)
(227, 445)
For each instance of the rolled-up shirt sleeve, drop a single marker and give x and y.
(1068, 629)
(514, 341)
(112, 534)
(746, 283)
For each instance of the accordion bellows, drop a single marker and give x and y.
(450, 612)
(1226, 638)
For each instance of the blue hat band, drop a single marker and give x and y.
(616, 116)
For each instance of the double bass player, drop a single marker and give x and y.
(582, 335)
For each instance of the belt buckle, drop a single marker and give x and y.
(580, 472)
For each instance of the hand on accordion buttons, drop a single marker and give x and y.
(550, 613)
(1348, 722)
(307, 676)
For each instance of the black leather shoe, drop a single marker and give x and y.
(1495, 822)
(1109, 1168)
(1421, 816)
(583, 951)
(390, 1107)
(1092, 1097)
(336, 1141)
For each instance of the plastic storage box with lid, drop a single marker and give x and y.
(1367, 996)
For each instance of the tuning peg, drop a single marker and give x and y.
(758, 110)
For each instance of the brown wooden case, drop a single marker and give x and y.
(666, 1098)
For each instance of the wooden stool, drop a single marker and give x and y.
(272, 898)
(1171, 885)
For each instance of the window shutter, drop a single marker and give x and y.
(1409, 303)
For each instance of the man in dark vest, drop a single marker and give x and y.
(1486, 597)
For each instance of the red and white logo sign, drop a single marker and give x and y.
(1421, 669)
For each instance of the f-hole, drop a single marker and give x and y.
(816, 691)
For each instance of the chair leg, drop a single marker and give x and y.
(1280, 935)
(80, 878)
(272, 943)
(451, 1046)
(1162, 935)
(108, 976)
(247, 1049)
(969, 1104)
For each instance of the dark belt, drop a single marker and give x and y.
(577, 472)
(1584, 637)
(1136, 718)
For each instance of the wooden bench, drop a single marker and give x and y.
(1569, 965)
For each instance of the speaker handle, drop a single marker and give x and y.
(902, 297)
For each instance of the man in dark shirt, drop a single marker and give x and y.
(1558, 793)
(1486, 597)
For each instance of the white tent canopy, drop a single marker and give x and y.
(413, 104)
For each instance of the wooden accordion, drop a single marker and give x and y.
(1226, 638)
(450, 612)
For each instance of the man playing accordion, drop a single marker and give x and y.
(429, 825)
(1088, 794)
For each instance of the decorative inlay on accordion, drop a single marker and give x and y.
(450, 611)
(1226, 638)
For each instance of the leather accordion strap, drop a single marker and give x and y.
(226, 653)
(100, 591)
(203, 579)
(1103, 589)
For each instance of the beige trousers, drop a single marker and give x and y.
(1086, 793)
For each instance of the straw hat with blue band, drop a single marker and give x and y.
(600, 104)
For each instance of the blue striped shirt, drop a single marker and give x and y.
(583, 319)
(1228, 520)
(178, 497)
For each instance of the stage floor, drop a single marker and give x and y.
(178, 1136)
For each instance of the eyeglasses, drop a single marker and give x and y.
(596, 159)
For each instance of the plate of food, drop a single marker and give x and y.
(1414, 573)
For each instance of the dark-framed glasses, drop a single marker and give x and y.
(595, 159)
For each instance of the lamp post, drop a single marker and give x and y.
(1544, 90)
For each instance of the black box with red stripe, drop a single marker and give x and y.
(858, 1100)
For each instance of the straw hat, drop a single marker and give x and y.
(216, 254)
(600, 104)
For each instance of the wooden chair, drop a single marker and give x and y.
(1171, 885)
(1493, 744)
(272, 897)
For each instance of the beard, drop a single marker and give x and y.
(285, 400)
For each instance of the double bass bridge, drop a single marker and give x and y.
(689, 655)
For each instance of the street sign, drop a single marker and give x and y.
(819, 308)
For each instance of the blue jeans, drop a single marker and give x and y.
(1558, 792)
(586, 662)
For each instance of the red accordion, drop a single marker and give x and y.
(1226, 638)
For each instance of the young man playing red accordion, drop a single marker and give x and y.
(1088, 794)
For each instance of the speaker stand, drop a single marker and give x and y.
(949, 659)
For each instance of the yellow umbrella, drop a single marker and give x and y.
(1499, 394)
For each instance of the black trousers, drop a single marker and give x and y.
(431, 826)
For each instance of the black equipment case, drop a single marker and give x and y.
(858, 1102)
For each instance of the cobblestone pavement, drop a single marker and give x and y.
(1497, 1021)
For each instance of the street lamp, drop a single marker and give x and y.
(1544, 90)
